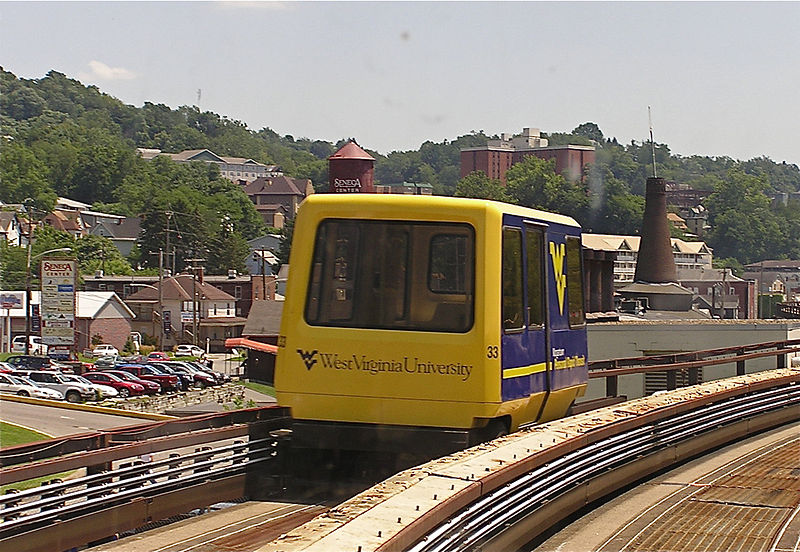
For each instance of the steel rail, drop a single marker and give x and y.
(68, 499)
(477, 525)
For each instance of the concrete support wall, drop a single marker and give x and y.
(633, 339)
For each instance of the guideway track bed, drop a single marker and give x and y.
(500, 495)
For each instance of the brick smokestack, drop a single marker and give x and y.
(656, 264)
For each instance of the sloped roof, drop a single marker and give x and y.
(7, 219)
(180, 288)
(276, 185)
(264, 319)
(128, 228)
(90, 303)
(614, 242)
(351, 150)
(192, 155)
(242, 161)
(87, 303)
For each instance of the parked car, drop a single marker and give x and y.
(201, 378)
(219, 376)
(109, 361)
(123, 387)
(189, 350)
(185, 376)
(158, 355)
(36, 346)
(31, 362)
(104, 349)
(150, 387)
(101, 391)
(26, 388)
(148, 372)
(5, 368)
(71, 391)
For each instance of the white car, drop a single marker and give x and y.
(103, 391)
(105, 350)
(26, 388)
(36, 346)
(189, 350)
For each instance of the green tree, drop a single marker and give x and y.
(743, 226)
(534, 183)
(477, 184)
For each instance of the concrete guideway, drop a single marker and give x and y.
(659, 507)
(395, 513)
(242, 527)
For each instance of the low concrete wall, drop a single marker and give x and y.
(641, 338)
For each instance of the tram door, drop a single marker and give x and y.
(524, 341)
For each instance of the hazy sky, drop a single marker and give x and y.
(722, 78)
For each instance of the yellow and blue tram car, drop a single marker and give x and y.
(428, 321)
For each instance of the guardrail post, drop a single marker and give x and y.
(612, 386)
(781, 361)
(11, 504)
(694, 374)
(672, 380)
(740, 365)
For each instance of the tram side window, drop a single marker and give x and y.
(513, 318)
(574, 282)
(534, 244)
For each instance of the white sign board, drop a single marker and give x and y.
(58, 279)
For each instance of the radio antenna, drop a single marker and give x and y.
(652, 142)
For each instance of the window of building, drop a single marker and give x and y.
(237, 292)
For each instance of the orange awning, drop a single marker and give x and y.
(232, 342)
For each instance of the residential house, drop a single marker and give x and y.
(277, 198)
(122, 231)
(215, 319)
(722, 293)
(776, 277)
(10, 228)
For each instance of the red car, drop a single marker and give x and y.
(148, 372)
(125, 388)
(150, 387)
(158, 355)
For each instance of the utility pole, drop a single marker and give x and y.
(195, 302)
(161, 298)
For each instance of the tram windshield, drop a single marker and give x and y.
(392, 275)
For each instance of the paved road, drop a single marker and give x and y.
(616, 524)
(59, 422)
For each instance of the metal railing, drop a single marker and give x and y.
(485, 523)
(690, 362)
(123, 487)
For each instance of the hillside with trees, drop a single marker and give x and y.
(61, 138)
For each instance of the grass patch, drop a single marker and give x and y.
(259, 387)
(11, 435)
(6, 356)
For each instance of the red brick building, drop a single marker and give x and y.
(495, 158)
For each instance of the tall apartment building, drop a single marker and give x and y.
(497, 156)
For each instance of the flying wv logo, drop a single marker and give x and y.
(557, 253)
(308, 357)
